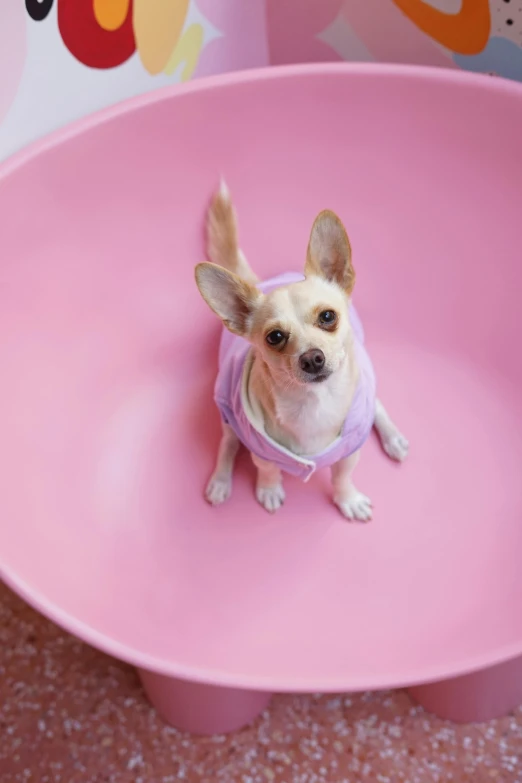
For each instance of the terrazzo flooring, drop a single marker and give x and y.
(69, 714)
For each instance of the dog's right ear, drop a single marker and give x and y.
(229, 296)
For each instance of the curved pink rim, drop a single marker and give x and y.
(217, 677)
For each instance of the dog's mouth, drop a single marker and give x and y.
(305, 379)
(322, 376)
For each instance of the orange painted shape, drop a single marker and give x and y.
(111, 14)
(157, 28)
(464, 33)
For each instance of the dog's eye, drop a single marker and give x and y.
(327, 317)
(275, 338)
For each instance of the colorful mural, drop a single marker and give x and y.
(481, 35)
(241, 36)
(465, 30)
(105, 33)
(60, 59)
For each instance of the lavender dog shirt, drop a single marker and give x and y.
(230, 393)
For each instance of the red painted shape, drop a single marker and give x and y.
(88, 42)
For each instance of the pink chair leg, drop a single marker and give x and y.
(472, 698)
(202, 709)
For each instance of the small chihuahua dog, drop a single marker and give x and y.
(295, 384)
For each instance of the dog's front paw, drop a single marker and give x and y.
(271, 498)
(218, 490)
(356, 506)
(396, 446)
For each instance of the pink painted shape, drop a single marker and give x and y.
(242, 43)
(13, 51)
(390, 36)
(293, 27)
(108, 358)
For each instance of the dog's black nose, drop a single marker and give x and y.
(312, 362)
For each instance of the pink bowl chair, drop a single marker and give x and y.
(108, 357)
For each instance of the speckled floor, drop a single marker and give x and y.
(71, 715)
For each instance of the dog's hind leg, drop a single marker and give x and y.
(392, 440)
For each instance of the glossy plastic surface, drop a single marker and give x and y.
(108, 356)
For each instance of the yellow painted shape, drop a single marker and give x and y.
(111, 14)
(187, 51)
(466, 32)
(157, 27)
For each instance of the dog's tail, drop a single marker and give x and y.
(222, 236)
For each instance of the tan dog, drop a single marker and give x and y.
(303, 381)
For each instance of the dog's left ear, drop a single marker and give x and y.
(329, 252)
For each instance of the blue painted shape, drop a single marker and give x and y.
(501, 56)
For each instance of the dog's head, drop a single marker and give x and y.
(302, 331)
